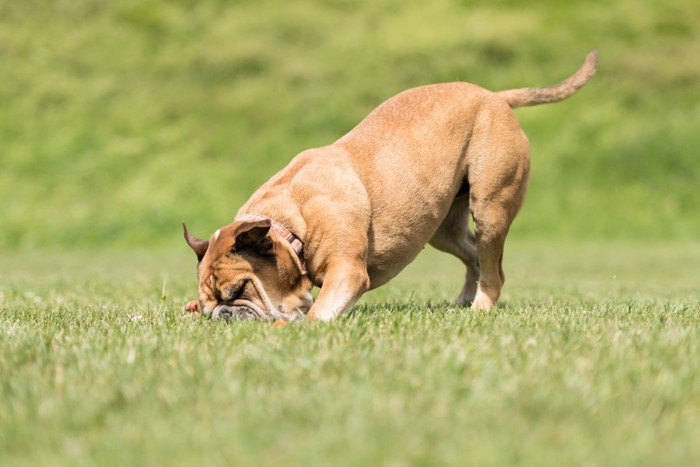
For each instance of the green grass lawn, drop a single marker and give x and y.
(120, 119)
(592, 359)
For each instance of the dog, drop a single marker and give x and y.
(349, 216)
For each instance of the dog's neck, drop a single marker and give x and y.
(294, 241)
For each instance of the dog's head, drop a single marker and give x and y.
(246, 271)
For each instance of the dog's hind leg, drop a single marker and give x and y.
(497, 184)
(491, 226)
(454, 237)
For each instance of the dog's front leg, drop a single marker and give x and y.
(343, 284)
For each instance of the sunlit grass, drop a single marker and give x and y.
(121, 119)
(118, 120)
(591, 359)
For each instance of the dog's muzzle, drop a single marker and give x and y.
(234, 312)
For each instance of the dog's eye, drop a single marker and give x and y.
(233, 292)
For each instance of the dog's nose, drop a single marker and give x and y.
(228, 312)
(223, 312)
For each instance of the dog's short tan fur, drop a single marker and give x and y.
(412, 172)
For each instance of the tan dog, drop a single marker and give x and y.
(350, 216)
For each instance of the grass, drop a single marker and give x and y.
(120, 119)
(591, 359)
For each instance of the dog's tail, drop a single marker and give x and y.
(535, 96)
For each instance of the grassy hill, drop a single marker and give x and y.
(119, 119)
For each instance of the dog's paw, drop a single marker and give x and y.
(192, 306)
(482, 302)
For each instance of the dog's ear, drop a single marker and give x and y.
(254, 235)
(198, 246)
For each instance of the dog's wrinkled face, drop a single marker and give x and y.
(246, 272)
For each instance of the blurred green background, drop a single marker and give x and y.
(120, 119)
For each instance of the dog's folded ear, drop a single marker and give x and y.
(254, 235)
(198, 246)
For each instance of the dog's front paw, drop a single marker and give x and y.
(192, 306)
